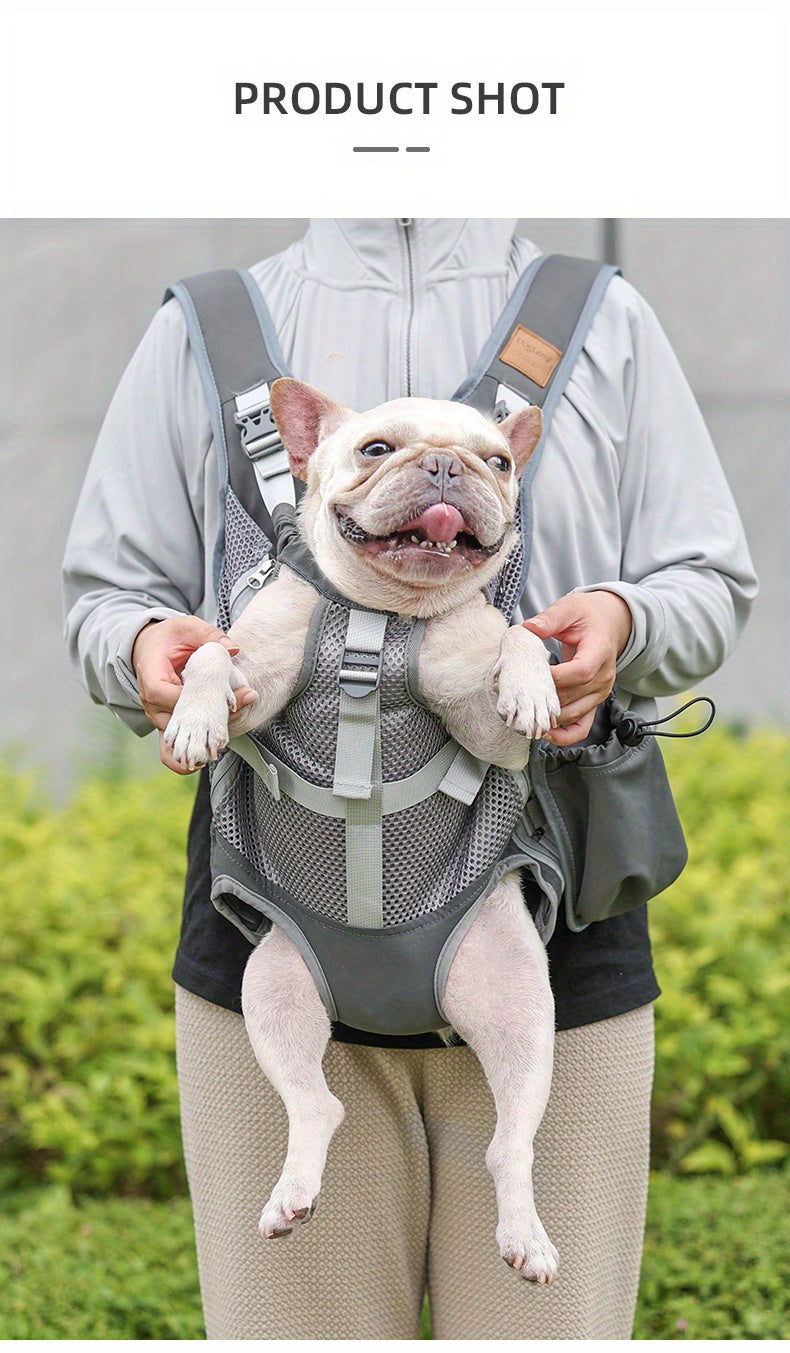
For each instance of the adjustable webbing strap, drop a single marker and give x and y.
(358, 727)
(464, 776)
(358, 765)
(396, 795)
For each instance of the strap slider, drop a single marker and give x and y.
(360, 671)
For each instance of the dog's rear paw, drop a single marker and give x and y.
(291, 1205)
(530, 1252)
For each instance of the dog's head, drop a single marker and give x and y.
(410, 506)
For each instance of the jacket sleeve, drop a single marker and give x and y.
(686, 571)
(135, 551)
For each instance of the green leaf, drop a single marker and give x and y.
(710, 1158)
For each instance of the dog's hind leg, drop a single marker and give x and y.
(289, 1030)
(498, 998)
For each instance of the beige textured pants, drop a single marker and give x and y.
(406, 1198)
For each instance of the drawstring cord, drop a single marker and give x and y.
(631, 730)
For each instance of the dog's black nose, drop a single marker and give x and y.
(441, 466)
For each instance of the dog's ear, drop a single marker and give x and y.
(304, 416)
(523, 431)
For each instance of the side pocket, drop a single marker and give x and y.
(612, 815)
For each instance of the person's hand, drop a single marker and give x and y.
(593, 628)
(159, 655)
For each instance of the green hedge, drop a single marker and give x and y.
(715, 1263)
(90, 915)
(91, 908)
(720, 935)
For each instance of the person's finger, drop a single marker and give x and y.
(574, 732)
(158, 696)
(245, 697)
(556, 619)
(593, 661)
(579, 709)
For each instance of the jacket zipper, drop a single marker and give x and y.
(406, 222)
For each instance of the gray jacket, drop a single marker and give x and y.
(630, 496)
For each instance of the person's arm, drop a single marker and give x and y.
(687, 581)
(135, 552)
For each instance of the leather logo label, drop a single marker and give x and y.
(530, 354)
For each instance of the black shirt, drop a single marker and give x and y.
(602, 971)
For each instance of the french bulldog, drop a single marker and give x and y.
(410, 508)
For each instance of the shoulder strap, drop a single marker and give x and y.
(537, 338)
(232, 336)
(532, 351)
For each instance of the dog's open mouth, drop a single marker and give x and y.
(439, 532)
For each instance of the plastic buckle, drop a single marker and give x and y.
(259, 434)
(364, 676)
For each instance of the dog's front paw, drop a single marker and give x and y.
(527, 698)
(292, 1204)
(195, 737)
(529, 1251)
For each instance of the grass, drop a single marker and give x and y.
(104, 1269)
(715, 1264)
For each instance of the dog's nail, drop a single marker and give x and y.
(301, 1213)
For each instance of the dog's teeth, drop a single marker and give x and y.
(416, 540)
(452, 544)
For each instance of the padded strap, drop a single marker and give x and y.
(538, 336)
(232, 336)
(531, 354)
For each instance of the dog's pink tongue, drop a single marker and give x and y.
(440, 521)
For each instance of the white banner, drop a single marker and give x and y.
(620, 110)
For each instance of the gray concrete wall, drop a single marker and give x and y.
(77, 295)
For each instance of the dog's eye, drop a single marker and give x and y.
(376, 449)
(499, 463)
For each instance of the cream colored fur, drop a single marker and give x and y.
(492, 687)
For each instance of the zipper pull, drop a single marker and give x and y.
(405, 221)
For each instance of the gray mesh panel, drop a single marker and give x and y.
(431, 850)
(505, 591)
(304, 735)
(245, 546)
